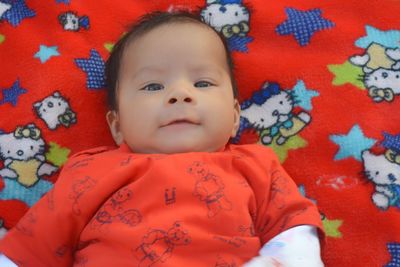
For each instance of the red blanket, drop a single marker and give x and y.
(319, 82)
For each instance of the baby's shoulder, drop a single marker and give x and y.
(96, 154)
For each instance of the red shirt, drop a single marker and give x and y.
(112, 207)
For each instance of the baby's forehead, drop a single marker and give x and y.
(207, 52)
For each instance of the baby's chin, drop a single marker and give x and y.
(176, 148)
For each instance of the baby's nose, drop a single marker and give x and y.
(173, 100)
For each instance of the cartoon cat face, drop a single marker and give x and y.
(273, 110)
(379, 170)
(23, 148)
(50, 108)
(383, 78)
(51, 104)
(219, 15)
(70, 21)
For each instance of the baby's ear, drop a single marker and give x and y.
(114, 125)
(236, 118)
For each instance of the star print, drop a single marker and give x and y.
(18, 12)
(94, 68)
(46, 52)
(63, 1)
(2, 38)
(14, 190)
(57, 155)
(302, 95)
(352, 144)
(394, 250)
(294, 142)
(331, 227)
(303, 24)
(391, 142)
(109, 46)
(388, 39)
(347, 73)
(239, 43)
(10, 95)
(3, 8)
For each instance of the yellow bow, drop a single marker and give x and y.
(29, 131)
(381, 94)
(240, 29)
(392, 156)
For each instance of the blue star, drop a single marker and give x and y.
(352, 144)
(46, 52)
(94, 68)
(389, 39)
(63, 1)
(11, 94)
(239, 43)
(394, 250)
(303, 24)
(17, 12)
(14, 190)
(302, 95)
(391, 142)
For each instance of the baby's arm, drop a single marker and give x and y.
(297, 246)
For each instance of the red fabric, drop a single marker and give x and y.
(113, 207)
(359, 232)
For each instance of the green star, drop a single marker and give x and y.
(294, 142)
(57, 155)
(347, 73)
(2, 38)
(331, 227)
(108, 46)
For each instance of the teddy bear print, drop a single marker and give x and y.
(114, 211)
(158, 245)
(209, 188)
(23, 155)
(55, 110)
(80, 188)
(270, 112)
(381, 67)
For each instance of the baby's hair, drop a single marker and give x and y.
(145, 24)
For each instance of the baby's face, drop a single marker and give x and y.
(174, 92)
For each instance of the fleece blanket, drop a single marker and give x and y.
(319, 82)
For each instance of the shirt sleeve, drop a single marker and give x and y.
(48, 233)
(280, 206)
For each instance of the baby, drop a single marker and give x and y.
(174, 192)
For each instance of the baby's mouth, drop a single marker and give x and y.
(180, 122)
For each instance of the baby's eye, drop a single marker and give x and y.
(153, 87)
(202, 84)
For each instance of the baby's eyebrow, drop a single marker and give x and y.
(148, 69)
(206, 69)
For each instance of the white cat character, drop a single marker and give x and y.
(270, 111)
(55, 110)
(231, 18)
(386, 177)
(381, 67)
(23, 155)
